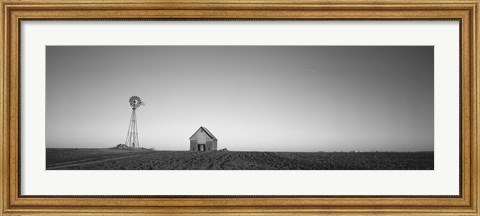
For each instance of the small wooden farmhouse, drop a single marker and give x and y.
(203, 140)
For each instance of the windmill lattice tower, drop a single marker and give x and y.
(132, 134)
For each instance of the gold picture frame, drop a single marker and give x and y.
(14, 11)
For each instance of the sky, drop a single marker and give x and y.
(252, 98)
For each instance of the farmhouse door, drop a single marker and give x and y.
(201, 147)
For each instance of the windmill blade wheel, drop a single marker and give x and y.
(135, 101)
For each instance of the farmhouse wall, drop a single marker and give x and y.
(193, 145)
(214, 145)
(210, 145)
(201, 137)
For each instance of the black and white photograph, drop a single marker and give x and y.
(239, 108)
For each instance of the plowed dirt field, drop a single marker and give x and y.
(118, 159)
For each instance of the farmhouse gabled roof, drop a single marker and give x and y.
(206, 131)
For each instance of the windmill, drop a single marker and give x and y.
(132, 134)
